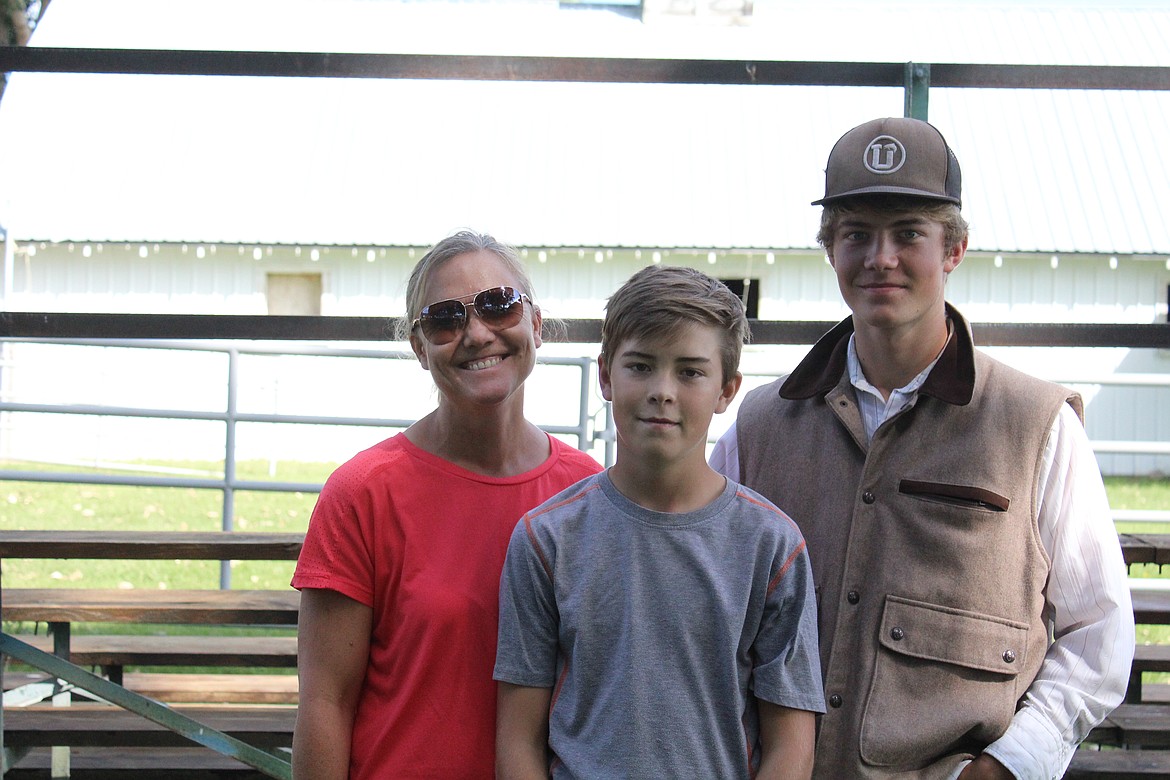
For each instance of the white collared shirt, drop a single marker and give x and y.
(1086, 669)
(875, 410)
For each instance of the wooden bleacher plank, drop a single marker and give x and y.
(98, 725)
(1151, 606)
(192, 688)
(175, 650)
(1090, 764)
(137, 763)
(157, 545)
(247, 607)
(1152, 658)
(1134, 549)
(1145, 548)
(188, 688)
(1140, 725)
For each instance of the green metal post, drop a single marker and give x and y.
(917, 90)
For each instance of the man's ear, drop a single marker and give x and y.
(419, 349)
(955, 256)
(730, 390)
(603, 378)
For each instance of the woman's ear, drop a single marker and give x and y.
(419, 348)
(537, 325)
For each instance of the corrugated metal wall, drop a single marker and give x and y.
(574, 283)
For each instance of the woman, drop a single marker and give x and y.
(399, 574)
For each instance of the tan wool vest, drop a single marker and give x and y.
(929, 568)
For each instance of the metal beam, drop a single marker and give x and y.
(570, 69)
(69, 325)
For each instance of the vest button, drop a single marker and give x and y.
(897, 634)
(868, 497)
(835, 700)
(853, 597)
(1009, 656)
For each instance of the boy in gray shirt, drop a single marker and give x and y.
(658, 620)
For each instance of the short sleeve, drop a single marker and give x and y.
(526, 653)
(788, 669)
(335, 554)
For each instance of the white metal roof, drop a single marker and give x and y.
(401, 162)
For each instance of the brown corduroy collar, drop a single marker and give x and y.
(952, 380)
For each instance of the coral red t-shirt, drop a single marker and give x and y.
(422, 542)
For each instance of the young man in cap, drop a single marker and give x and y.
(975, 619)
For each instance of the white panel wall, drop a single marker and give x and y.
(574, 283)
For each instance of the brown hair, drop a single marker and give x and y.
(657, 299)
(955, 228)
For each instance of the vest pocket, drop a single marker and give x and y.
(958, 495)
(944, 682)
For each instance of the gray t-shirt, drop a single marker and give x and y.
(655, 630)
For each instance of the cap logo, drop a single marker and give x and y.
(885, 154)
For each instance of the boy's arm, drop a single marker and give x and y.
(786, 739)
(522, 732)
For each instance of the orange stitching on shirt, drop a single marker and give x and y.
(787, 565)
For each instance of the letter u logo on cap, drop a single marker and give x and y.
(884, 154)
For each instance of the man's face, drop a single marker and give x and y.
(892, 267)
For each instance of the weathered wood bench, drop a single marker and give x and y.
(1145, 548)
(239, 607)
(103, 725)
(82, 724)
(137, 763)
(191, 688)
(1089, 764)
(113, 653)
(1130, 742)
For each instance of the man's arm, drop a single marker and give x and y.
(985, 767)
(333, 648)
(787, 738)
(522, 732)
(1086, 669)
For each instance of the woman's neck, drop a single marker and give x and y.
(496, 442)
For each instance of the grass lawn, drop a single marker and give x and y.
(48, 506)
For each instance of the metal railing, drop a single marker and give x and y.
(231, 417)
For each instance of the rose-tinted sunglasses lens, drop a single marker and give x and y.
(498, 307)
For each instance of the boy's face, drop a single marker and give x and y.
(664, 392)
(892, 266)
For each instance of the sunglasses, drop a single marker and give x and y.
(498, 307)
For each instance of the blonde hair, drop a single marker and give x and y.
(460, 243)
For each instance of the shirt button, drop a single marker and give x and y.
(835, 700)
(897, 634)
(853, 597)
(868, 497)
(1009, 656)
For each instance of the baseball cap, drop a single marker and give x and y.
(895, 155)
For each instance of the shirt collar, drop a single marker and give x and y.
(952, 379)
